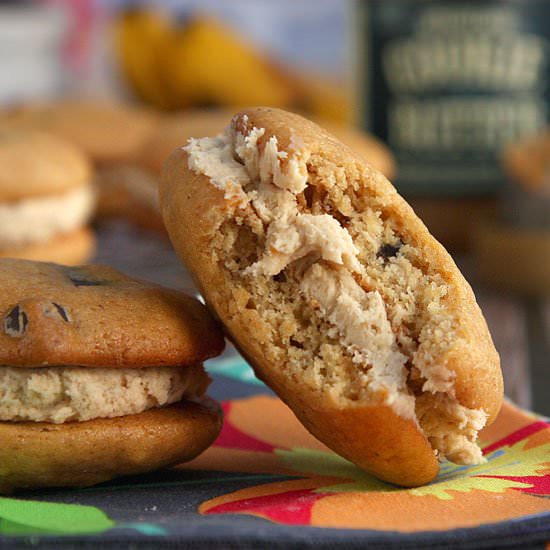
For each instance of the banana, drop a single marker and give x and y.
(141, 37)
(203, 62)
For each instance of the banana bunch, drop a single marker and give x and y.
(202, 62)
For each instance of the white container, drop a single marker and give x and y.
(31, 65)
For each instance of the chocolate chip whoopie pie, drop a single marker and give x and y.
(101, 376)
(336, 293)
(46, 198)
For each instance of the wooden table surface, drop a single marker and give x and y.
(520, 328)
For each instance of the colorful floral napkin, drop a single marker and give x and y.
(267, 481)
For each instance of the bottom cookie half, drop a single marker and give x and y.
(78, 454)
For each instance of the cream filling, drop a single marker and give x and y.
(358, 317)
(226, 173)
(66, 394)
(267, 167)
(39, 219)
(451, 428)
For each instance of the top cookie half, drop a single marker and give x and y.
(96, 316)
(336, 292)
(36, 164)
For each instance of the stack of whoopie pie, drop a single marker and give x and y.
(101, 376)
(46, 198)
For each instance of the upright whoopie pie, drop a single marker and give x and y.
(101, 376)
(336, 293)
(46, 198)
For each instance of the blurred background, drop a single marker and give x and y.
(449, 99)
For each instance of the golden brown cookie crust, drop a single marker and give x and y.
(96, 316)
(36, 164)
(400, 453)
(74, 248)
(79, 454)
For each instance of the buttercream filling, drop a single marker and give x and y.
(62, 394)
(39, 219)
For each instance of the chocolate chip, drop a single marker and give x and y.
(15, 322)
(62, 312)
(83, 282)
(280, 277)
(296, 344)
(341, 219)
(309, 193)
(388, 251)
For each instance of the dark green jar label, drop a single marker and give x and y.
(448, 84)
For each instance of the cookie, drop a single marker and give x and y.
(45, 196)
(101, 375)
(109, 133)
(72, 248)
(104, 318)
(36, 164)
(174, 130)
(336, 293)
(79, 454)
(131, 193)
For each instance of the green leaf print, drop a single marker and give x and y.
(29, 517)
(493, 476)
(233, 367)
